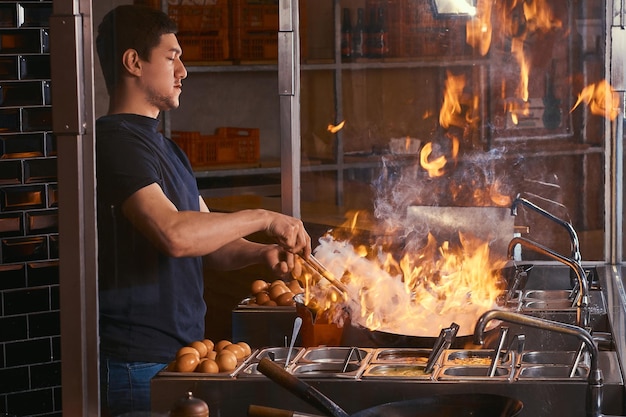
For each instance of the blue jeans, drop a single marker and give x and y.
(125, 386)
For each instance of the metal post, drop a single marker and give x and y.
(615, 63)
(289, 92)
(73, 123)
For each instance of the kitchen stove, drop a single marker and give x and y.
(547, 372)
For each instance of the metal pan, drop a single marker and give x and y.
(458, 405)
(360, 336)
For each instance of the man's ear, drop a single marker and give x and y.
(131, 62)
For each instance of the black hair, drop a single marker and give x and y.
(129, 27)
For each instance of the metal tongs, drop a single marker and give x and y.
(496, 353)
(444, 341)
(323, 271)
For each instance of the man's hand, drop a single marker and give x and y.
(290, 234)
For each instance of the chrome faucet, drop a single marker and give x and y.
(575, 244)
(582, 300)
(594, 380)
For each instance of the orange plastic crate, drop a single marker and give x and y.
(185, 140)
(200, 19)
(208, 47)
(255, 16)
(254, 30)
(255, 46)
(229, 145)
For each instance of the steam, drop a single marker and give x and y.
(470, 183)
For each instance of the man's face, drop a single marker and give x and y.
(162, 76)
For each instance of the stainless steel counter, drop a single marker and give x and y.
(541, 396)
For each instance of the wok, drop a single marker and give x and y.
(363, 337)
(457, 405)
(314, 334)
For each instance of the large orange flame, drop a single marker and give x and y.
(478, 30)
(601, 98)
(418, 294)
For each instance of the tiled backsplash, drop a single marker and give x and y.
(30, 362)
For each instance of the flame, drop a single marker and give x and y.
(450, 113)
(539, 16)
(479, 29)
(517, 49)
(417, 294)
(499, 199)
(336, 128)
(522, 20)
(517, 108)
(434, 167)
(601, 98)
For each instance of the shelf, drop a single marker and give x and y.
(273, 167)
(214, 67)
(360, 64)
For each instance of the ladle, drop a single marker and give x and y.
(297, 323)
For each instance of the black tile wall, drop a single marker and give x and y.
(30, 342)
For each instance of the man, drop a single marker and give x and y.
(153, 226)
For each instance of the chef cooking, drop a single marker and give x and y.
(154, 228)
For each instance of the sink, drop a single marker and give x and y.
(544, 295)
(549, 275)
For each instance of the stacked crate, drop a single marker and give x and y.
(228, 146)
(254, 34)
(203, 29)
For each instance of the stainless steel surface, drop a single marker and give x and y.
(595, 380)
(495, 359)
(549, 357)
(552, 372)
(574, 241)
(333, 354)
(403, 355)
(297, 323)
(543, 397)
(560, 295)
(289, 107)
(328, 370)
(473, 357)
(582, 301)
(400, 371)
(472, 373)
(278, 354)
(444, 341)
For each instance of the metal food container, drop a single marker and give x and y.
(552, 372)
(412, 356)
(351, 370)
(336, 354)
(279, 354)
(474, 373)
(474, 357)
(398, 371)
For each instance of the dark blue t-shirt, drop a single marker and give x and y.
(150, 304)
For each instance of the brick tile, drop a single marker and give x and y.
(28, 352)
